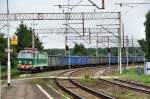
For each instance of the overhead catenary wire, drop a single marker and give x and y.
(132, 7)
(3, 27)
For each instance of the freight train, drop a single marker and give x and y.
(32, 60)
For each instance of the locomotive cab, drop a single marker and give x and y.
(25, 60)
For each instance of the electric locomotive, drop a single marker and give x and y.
(31, 60)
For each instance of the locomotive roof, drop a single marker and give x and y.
(29, 51)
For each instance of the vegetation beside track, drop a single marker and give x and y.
(87, 80)
(132, 74)
(3, 75)
(14, 72)
(112, 90)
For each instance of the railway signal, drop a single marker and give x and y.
(67, 48)
(14, 40)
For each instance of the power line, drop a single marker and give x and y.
(132, 3)
(60, 6)
(3, 27)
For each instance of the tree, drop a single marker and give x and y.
(3, 54)
(55, 51)
(142, 43)
(25, 38)
(79, 50)
(3, 46)
(147, 31)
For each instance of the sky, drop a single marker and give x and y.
(132, 17)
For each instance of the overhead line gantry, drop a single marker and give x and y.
(59, 16)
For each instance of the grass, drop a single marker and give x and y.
(2, 82)
(14, 72)
(118, 92)
(132, 74)
(87, 80)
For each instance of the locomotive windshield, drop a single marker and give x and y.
(25, 55)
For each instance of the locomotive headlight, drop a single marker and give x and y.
(30, 62)
(19, 62)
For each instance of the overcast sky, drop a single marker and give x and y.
(133, 18)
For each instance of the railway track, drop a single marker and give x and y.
(76, 90)
(129, 85)
(141, 87)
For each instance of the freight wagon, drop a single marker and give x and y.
(76, 61)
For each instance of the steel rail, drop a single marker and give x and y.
(99, 94)
(76, 96)
(133, 83)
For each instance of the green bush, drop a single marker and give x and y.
(87, 77)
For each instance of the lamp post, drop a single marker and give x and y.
(8, 48)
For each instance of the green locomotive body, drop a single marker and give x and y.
(31, 60)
